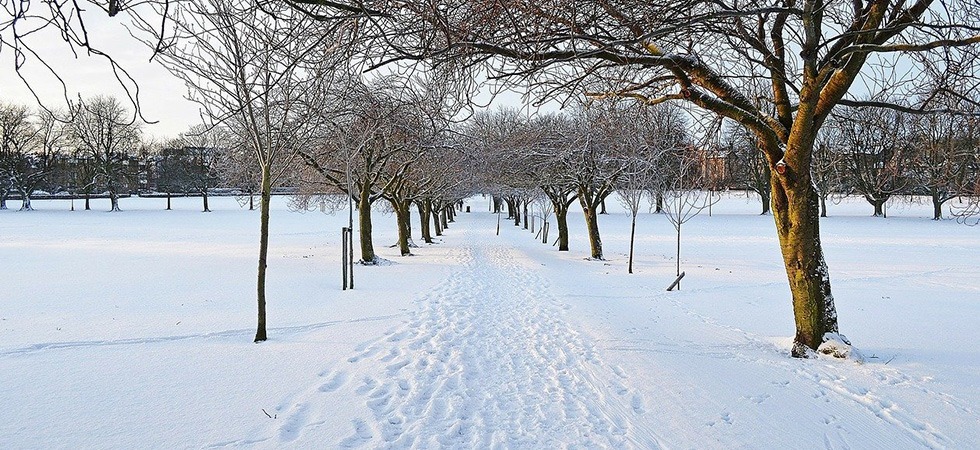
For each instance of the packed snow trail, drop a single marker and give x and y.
(486, 361)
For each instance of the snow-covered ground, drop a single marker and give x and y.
(133, 330)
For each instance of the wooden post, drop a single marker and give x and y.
(676, 282)
(350, 255)
(343, 252)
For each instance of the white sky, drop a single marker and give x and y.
(161, 94)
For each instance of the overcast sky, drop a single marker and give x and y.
(161, 94)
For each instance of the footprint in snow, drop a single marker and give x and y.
(334, 381)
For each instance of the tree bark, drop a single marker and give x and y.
(796, 213)
(364, 223)
(168, 201)
(423, 207)
(402, 219)
(766, 201)
(823, 206)
(561, 217)
(525, 215)
(204, 193)
(592, 224)
(264, 205)
(437, 224)
(87, 205)
(937, 206)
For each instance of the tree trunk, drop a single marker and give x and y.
(168, 201)
(265, 203)
(87, 198)
(402, 218)
(678, 262)
(603, 210)
(443, 219)
(823, 206)
(3, 201)
(25, 201)
(423, 207)
(407, 210)
(561, 217)
(437, 224)
(632, 240)
(796, 213)
(937, 206)
(878, 202)
(660, 203)
(114, 199)
(525, 215)
(364, 223)
(592, 224)
(251, 201)
(204, 193)
(766, 201)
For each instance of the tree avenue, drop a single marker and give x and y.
(808, 54)
(779, 70)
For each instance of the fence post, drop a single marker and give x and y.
(350, 255)
(345, 235)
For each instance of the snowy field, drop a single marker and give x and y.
(133, 330)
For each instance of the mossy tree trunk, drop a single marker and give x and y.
(796, 213)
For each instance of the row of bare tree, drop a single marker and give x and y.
(875, 154)
(780, 70)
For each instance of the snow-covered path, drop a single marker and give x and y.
(486, 361)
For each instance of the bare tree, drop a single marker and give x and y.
(751, 171)
(630, 194)
(827, 166)
(877, 143)
(811, 54)
(258, 69)
(22, 162)
(102, 129)
(943, 155)
(684, 198)
(364, 149)
(202, 148)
